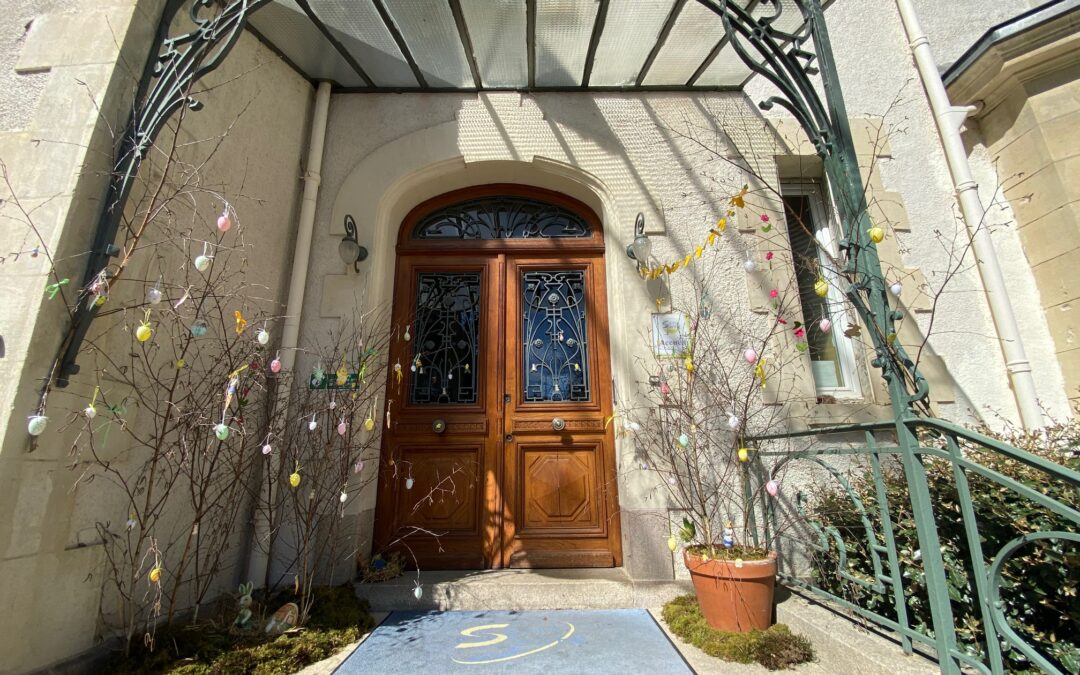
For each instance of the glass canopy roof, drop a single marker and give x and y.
(468, 45)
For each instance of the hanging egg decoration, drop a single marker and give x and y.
(689, 364)
(263, 336)
(750, 266)
(683, 440)
(275, 365)
(221, 431)
(342, 428)
(36, 424)
(202, 262)
(772, 487)
(665, 389)
(800, 346)
(877, 234)
(825, 325)
(750, 355)
(267, 449)
(369, 424)
(896, 289)
(672, 543)
(144, 331)
(344, 497)
(418, 592)
(407, 336)
(671, 481)
(312, 425)
(294, 479)
(180, 363)
(633, 426)
(154, 294)
(409, 483)
(199, 327)
(744, 454)
(155, 575)
(224, 222)
(821, 287)
(733, 422)
(90, 411)
(359, 466)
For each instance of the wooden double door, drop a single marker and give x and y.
(497, 453)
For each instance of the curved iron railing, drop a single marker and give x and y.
(916, 442)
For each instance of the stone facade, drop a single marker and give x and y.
(68, 82)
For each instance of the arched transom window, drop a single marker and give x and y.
(502, 217)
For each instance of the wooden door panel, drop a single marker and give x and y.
(446, 490)
(559, 493)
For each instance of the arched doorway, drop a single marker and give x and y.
(497, 453)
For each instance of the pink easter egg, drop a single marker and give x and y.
(665, 389)
(825, 325)
(342, 428)
(223, 222)
(267, 449)
(750, 355)
(275, 366)
(772, 487)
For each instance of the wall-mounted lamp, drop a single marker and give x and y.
(350, 250)
(641, 247)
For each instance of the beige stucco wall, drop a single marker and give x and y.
(57, 156)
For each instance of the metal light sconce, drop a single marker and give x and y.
(641, 247)
(350, 250)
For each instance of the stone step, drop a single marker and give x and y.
(520, 590)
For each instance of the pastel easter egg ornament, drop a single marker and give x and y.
(155, 575)
(154, 294)
(733, 422)
(749, 265)
(263, 337)
(202, 263)
(199, 328)
(744, 454)
(876, 234)
(821, 287)
(224, 222)
(683, 440)
(369, 424)
(896, 289)
(35, 425)
(344, 497)
(275, 365)
(772, 487)
(342, 428)
(409, 482)
(407, 336)
(665, 389)
(90, 411)
(312, 425)
(294, 479)
(750, 355)
(825, 325)
(418, 592)
(633, 426)
(267, 449)
(672, 543)
(144, 331)
(221, 430)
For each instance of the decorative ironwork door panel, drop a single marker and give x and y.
(497, 455)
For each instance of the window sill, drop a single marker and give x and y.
(829, 411)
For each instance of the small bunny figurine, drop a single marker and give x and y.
(243, 617)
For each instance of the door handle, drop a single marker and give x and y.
(438, 426)
(558, 424)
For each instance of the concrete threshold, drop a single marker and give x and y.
(604, 588)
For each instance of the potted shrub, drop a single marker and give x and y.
(708, 380)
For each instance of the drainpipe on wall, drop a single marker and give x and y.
(258, 561)
(949, 120)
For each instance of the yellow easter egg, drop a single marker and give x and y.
(672, 543)
(821, 287)
(155, 575)
(180, 363)
(744, 454)
(143, 333)
(689, 363)
(369, 424)
(877, 234)
(294, 479)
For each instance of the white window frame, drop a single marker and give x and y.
(826, 233)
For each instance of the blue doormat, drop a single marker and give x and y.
(541, 642)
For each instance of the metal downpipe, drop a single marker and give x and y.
(949, 119)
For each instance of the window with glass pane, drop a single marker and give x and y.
(554, 336)
(831, 358)
(502, 218)
(446, 338)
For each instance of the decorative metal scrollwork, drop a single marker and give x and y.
(554, 336)
(166, 85)
(502, 218)
(447, 341)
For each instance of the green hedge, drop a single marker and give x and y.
(1039, 584)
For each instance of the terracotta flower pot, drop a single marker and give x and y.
(736, 598)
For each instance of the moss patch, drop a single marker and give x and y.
(337, 618)
(776, 648)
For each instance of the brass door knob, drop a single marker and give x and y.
(558, 424)
(438, 426)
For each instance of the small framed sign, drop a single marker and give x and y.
(671, 334)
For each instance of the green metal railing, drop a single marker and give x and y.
(915, 443)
